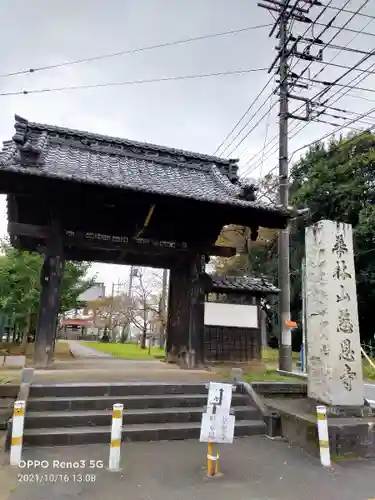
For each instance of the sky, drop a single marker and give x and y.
(193, 114)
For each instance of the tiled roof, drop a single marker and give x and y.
(55, 152)
(243, 283)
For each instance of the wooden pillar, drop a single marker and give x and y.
(196, 320)
(178, 313)
(49, 305)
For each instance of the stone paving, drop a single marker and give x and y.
(253, 469)
(79, 350)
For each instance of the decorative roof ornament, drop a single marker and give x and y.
(29, 154)
(248, 192)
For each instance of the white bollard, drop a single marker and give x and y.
(115, 447)
(17, 432)
(325, 455)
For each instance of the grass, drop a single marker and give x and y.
(61, 350)
(368, 370)
(127, 351)
(268, 376)
(272, 355)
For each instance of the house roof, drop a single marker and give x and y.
(83, 157)
(242, 284)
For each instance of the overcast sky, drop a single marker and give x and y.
(194, 114)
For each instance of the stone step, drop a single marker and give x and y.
(129, 402)
(114, 389)
(63, 436)
(36, 420)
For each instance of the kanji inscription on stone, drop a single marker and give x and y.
(341, 271)
(347, 353)
(348, 377)
(340, 248)
(345, 324)
(342, 295)
(334, 356)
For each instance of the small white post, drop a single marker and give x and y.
(325, 456)
(17, 432)
(115, 446)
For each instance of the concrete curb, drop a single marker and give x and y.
(293, 374)
(271, 418)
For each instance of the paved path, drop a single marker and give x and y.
(80, 351)
(253, 469)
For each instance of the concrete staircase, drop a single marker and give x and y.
(81, 413)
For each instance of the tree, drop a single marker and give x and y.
(337, 182)
(20, 285)
(112, 313)
(145, 309)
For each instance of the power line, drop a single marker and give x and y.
(131, 82)
(348, 29)
(350, 12)
(326, 26)
(253, 128)
(325, 136)
(341, 9)
(346, 86)
(342, 66)
(268, 82)
(133, 51)
(242, 117)
(266, 134)
(345, 47)
(270, 150)
(322, 92)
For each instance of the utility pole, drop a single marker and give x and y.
(288, 10)
(285, 343)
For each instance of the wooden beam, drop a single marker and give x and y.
(106, 242)
(141, 260)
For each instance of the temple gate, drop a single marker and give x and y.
(79, 196)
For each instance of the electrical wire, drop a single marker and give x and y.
(253, 102)
(252, 129)
(306, 124)
(350, 11)
(329, 98)
(266, 134)
(346, 86)
(342, 76)
(318, 17)
(348, 29)
(251, 105)
(325, 137)
(130, 82)
(133, 51)
(336, 34)
(342, 66)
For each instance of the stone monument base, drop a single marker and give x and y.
(334, 411)
(351, 434)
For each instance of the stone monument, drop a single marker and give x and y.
(334, 351)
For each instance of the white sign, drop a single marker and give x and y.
(219, 397)
(334, 352)
(241, 316)
(217, 428)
